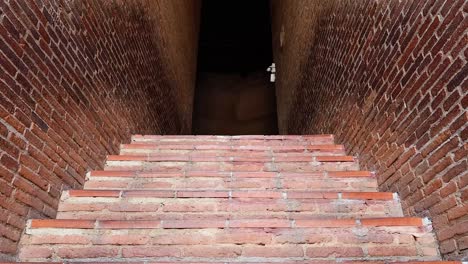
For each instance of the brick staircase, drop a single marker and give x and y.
(223, 199)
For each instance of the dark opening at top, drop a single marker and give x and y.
(235, 36)
(233, 94)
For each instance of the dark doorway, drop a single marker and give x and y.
(233, 93)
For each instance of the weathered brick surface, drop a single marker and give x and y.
(76, 79)
(389, 79)
(258, 223)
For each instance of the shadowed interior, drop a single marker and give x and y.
(233, 94)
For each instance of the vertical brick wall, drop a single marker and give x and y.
(77, 78)
(389, 78)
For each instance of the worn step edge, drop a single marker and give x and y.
(237, 147)
(231, 194)
(235, 137)
(156, 159)
(233, 147)
(133, 174)
(243, 223)
(203, 158)
(226, 148)
(187, 158)
(287, 262)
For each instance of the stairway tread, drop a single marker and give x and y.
(225, 223)
(320, 157)
(287, 262)
(232, 194)
(240, 174)
(230, 199)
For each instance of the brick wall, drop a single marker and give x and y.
(77, 78)
(389, 78)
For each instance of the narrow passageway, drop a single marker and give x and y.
(117, 121)
(233, 94)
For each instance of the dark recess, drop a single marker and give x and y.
(233, 94)
(235, 36)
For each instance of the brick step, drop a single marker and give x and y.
(227, 223)
(272, 148)
(230, 199)
(227, 155)
(119, 215)
(222, 183)
(230, 151)
(253, 149)
(146, 205)
(236, 146)
(216, 158)
(237, 159)
(249, 240)
(287, 262)
(184, 194)
(326, 163)
(211, 154)
(235, 174)
(227, 139)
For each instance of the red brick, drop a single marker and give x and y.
(463, 243)
(244, 237)
(448, 246)
(313, 195)
(87, 252)
(128, 239)
(87, 224)
(444, 205)
(436, 169)
(403, 221)
(9, 163)
(368, 195)
(433, 186)
(65, 239)
(257, 194)
(113, 174)
(455, 171)
(94, 193)
(10, 232)
(326, 223)
(111, 224)
(260, 223)
(5, 188)
(284, 251)
(186, 224)
(334, 158)
(448, 189)
(7, 246)
(443, 150)
(148, 193)
(457, 212)
(35, 252)
(200, 194)
(152, 251)
(212, 251)
(350, 174)
(392, 251)
(334, 251)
